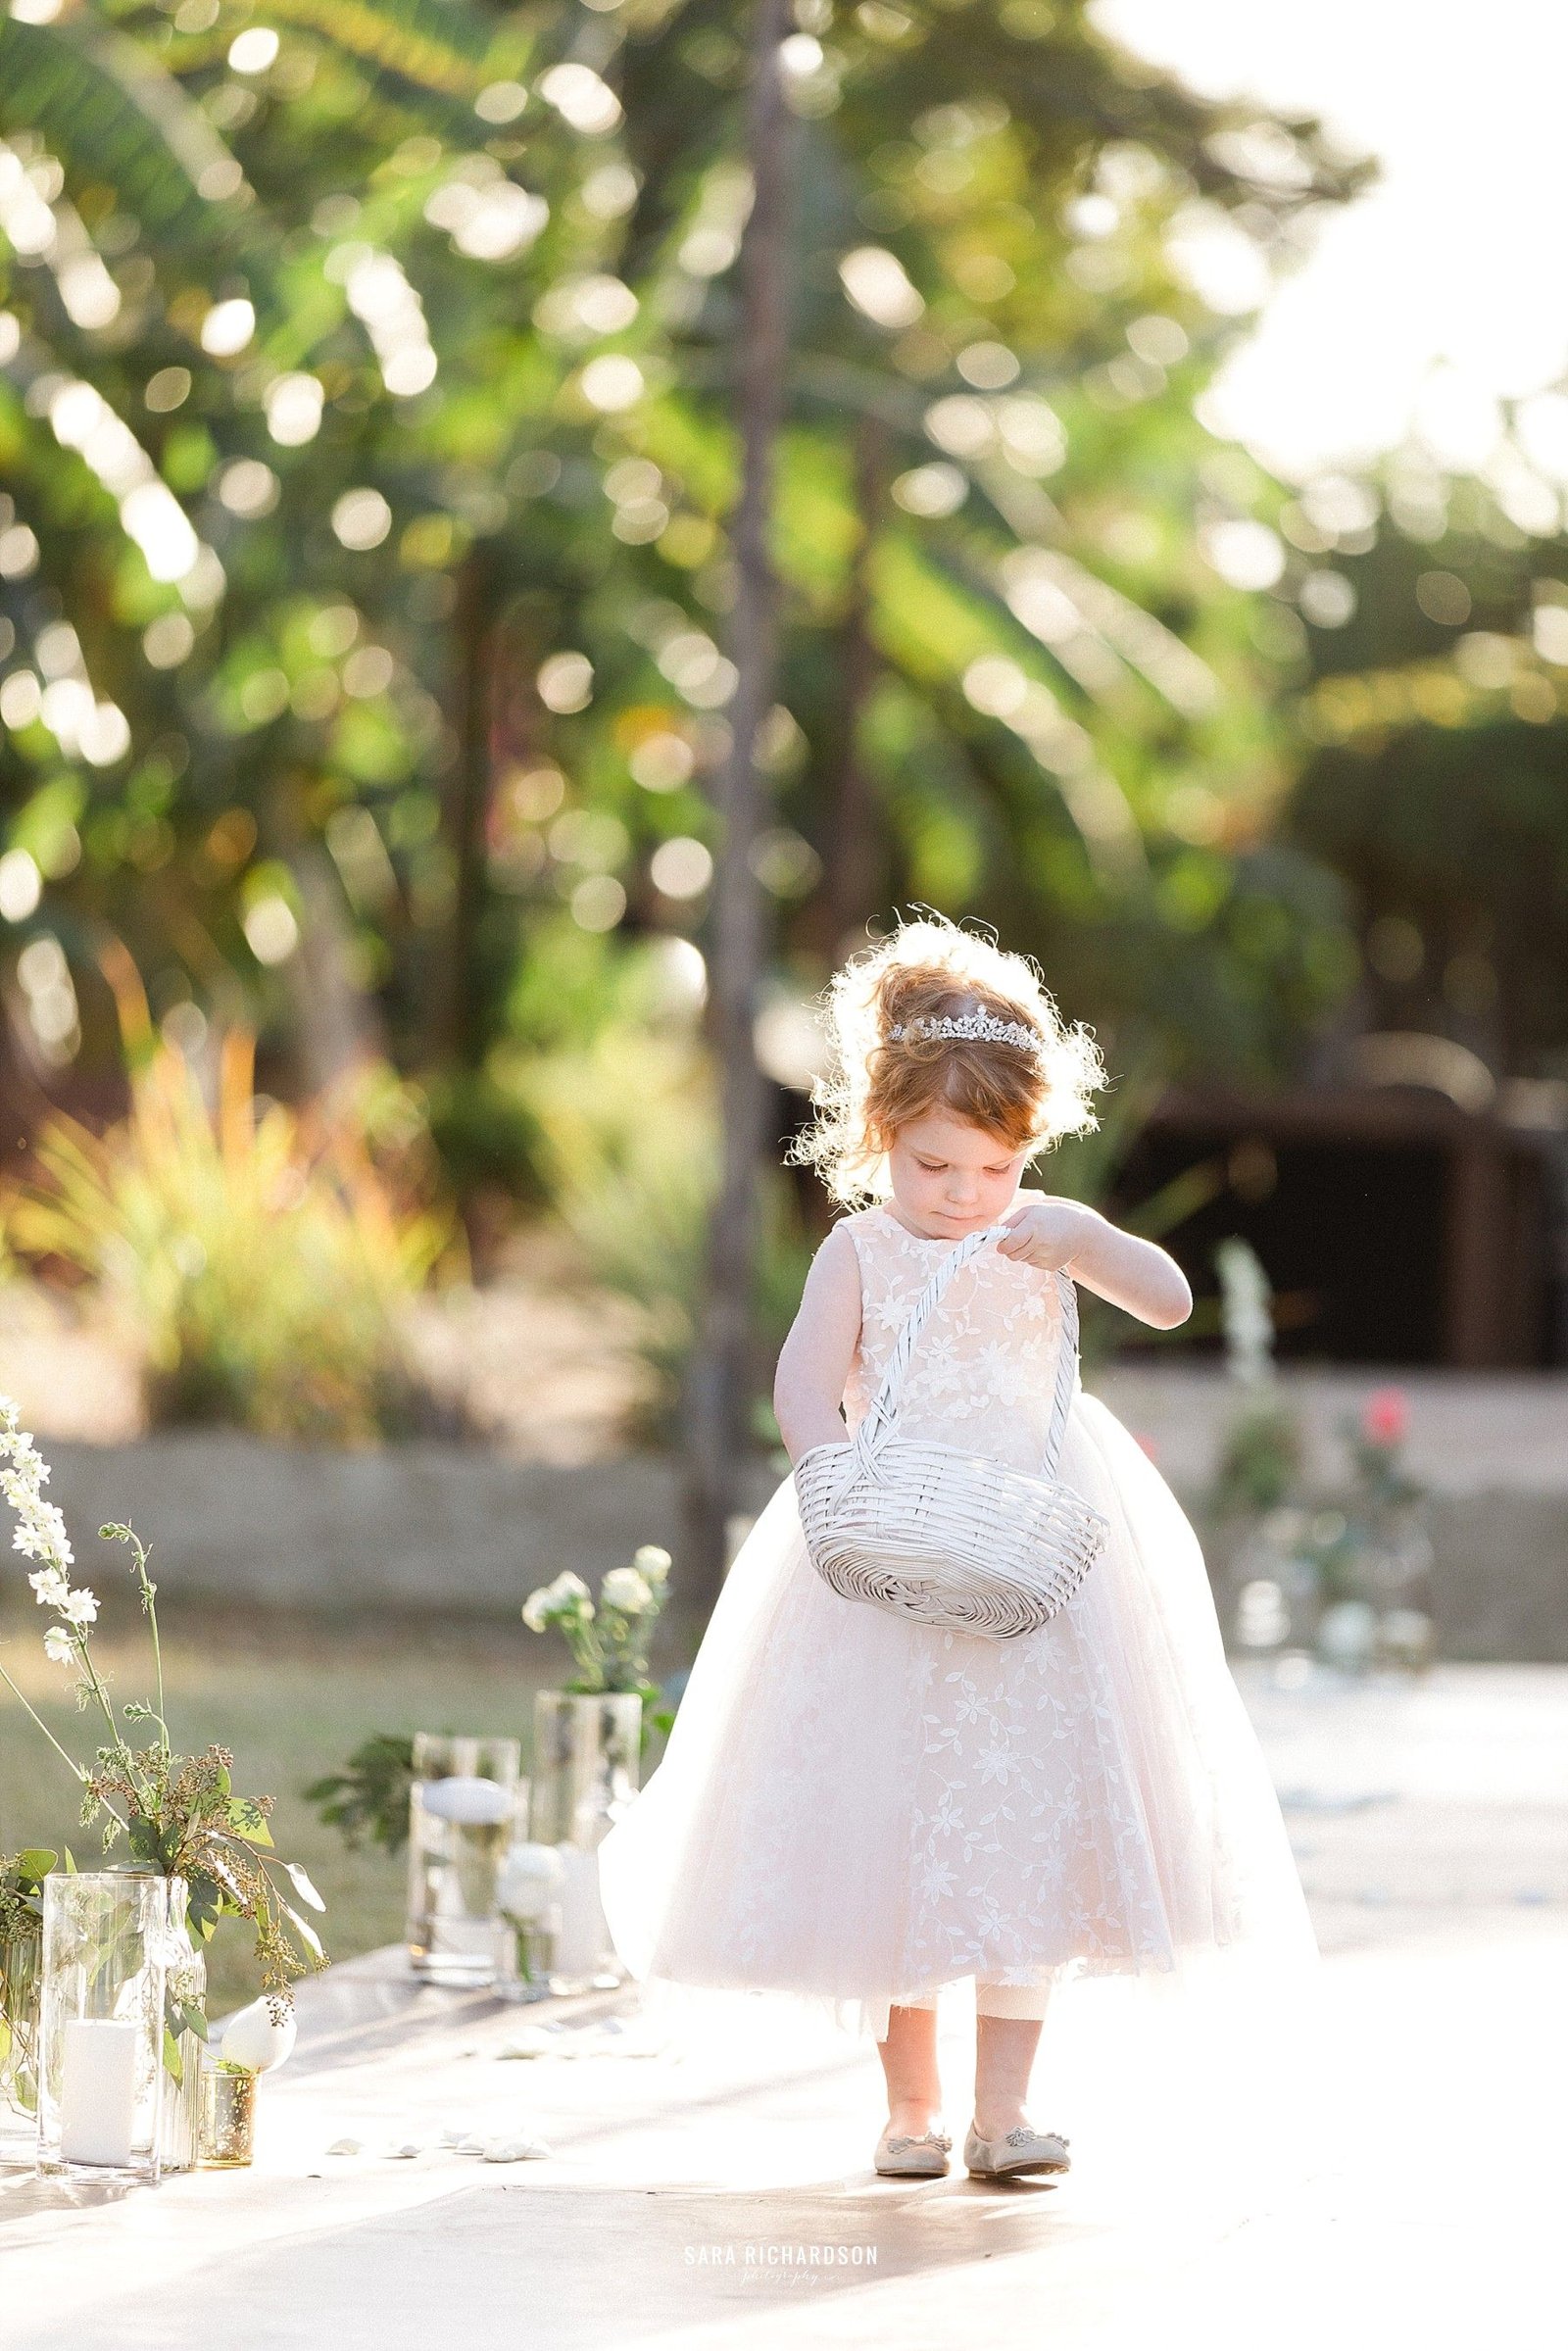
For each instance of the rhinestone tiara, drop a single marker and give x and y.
(971, 1024)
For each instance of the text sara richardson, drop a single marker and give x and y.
(750, 2255)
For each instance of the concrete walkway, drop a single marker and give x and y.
(1393, 2175)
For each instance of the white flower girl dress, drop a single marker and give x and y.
(857, 1810)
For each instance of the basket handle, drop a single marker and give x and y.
(881, 1417)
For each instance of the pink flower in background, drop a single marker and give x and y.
(1386, 1416)
(1146, 1445)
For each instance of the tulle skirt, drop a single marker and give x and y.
(852, 1811)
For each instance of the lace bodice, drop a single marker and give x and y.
(984, 1368)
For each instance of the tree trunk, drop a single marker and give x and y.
(337, 1026)
(717, 1433)
(855, 866)
(466, 814)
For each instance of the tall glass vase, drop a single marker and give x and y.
(21, 1974)
(184, 1998)
(100, 2074)
(586, 1762)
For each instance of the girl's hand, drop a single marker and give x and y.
(1048, 1233)
(1064, 1235)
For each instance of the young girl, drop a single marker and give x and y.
(858, 1809)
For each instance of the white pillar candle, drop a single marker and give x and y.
(583, 1931)
(98, 2091)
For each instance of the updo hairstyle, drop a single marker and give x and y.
(1027, 1096)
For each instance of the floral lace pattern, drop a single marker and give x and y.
(1025, 1852)
(859, 1809)
(984, 1370)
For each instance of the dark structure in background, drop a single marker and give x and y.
(1396, 1226)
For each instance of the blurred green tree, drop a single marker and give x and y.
(1434, 726)
(373, 657)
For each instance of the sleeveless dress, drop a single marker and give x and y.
(858, 1811)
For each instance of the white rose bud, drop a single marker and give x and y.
(529, 1881)
(651, 1560)
(624, 1589)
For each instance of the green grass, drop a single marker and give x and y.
(291, 1698)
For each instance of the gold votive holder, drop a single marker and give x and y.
(228, 2116)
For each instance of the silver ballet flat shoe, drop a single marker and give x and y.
(1021, 2153)
(901, 2157)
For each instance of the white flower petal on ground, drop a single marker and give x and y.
(513, 2150)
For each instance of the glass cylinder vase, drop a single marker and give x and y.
(586, 1764)
(101, 2075)
(184, 2040)
(228, 2116)
(464, 1808)
(20, 1980)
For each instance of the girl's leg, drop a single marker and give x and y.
(910, 2061)
(1008, 2024)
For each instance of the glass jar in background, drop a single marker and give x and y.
(465, 1809)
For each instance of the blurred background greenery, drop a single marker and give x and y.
(370, 437)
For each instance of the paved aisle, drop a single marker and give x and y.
(716, 2190)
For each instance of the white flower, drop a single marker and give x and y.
(536, 1610)
(51, 1586)
(528, 1879)
(79, 1607)
(58, 1645)
(652, 1563)
(624, 1589)
(41, 1531)
(567, 1585)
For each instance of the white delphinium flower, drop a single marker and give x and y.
(1248, 1324)
(41, 1532)
(625, 1588)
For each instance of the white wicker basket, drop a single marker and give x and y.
(940, 1536)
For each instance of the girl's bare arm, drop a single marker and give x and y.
(814, 1360)
(1139, 1276)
